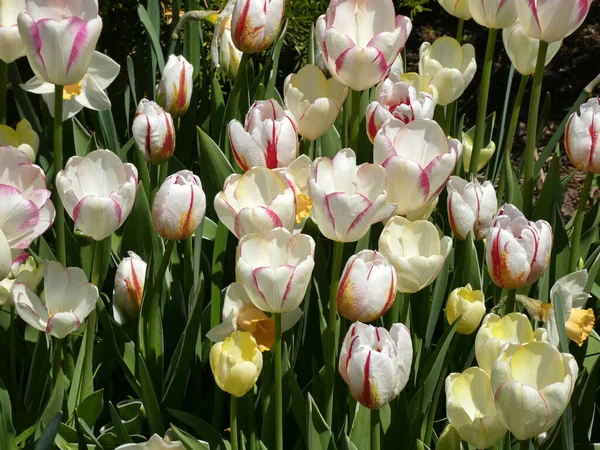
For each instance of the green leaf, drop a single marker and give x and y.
(201, 428)
(319, 433)
(55, 404)
(81, 138)
(467, 266)
(188, 441)
(82, 382)
(26, 109)
(7, 431)
(214, 167)
(155, 421)
(91, 407)
(39, 364)
(551, 193)
(437, 301)
(217, 109)
(46, 441)
(330, 143)
(271, 77)
(118, 427)
(154, 36)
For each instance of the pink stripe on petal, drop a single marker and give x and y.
(328, 208)
(78, 26)
(37, 39)
(339, 62)
(288, 287)
(360, 217)
(583, 8)
(533, 7)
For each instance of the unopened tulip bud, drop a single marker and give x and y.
(174, 91)
(484, 157)
(179, 206)
(582, 137)
(129, 288)
(22, 137)
(223, 52)
(24, 270)
(471, 207)
(467, 304)
(236, 363)
(493, 13)
(154, 132)
(255, 24)
(367, 287)
(458, 8)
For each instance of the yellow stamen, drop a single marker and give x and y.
(580, 325)
(71, 90)
(256, 322)
(303, 207)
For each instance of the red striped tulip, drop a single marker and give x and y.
(471, 207)
(267, 139)
(255, 23)
(517, 251)
(98, 192)
(129, 288)
(154, 132)
(376, 363)
(582, 137)
(59, 38)
(174, 91)
(493, 13)
(179, 206)
(11, 47)
(361, 39)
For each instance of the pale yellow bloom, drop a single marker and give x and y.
(22, 137)
(467, 304)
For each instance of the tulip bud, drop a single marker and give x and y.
(449, 439)
(458, 8)
(467, 304)
(367, 287)
(484, 157)
(156, 443)
(224, 54)
(376, 363)
(447, 66)
(255, 24)
(314, 100)
(23, 270)
(154, 132)
(22, 137)
(129, 288)
(415, 250)
(582, 137)
(471, 207)
(532, 385)
(493, 13)
(268, 138)
(174, 91)
(470, 408)
(517, 251)
(236, 363)
(179, 206)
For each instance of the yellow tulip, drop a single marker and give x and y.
(22, 137)
(467, 304)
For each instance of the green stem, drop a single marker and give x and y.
(450, 113)
(233, 423)
(578, 224)
(278, 387)
(305, 147)
(58, 164)
(459, 30)
(251, 422)
(162, 269)
(12, 347)
(391, 317)
(3, 91)
(404, 300)
(232, 110)
(354, 121)
(484, 90)
(532, 125)
(511, 295)
(510, 137)
(57, 358)
(524, 445)
(96, 264)
(375, 429)
(333, 329)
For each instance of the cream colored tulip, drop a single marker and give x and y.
(467, 304)
(471, 207)
(493, 13)
(22, 137)
(447, 66)
(470, 408)
(458, 8)
(449, 439)
(223, 52)
(24, 270)
(484, 157)
(415, 250)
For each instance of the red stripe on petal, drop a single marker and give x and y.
(366, 398)
(241, 23)
(80, 38)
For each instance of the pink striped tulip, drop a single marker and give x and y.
(154, 132)
(376, 363)
(11, 47)
(98, 192)
(582, 137)
(179, 206)
(275, 269)
(471, 207)
(255, 24)
(347, 199)
(59, 38)
(551, 20)
(418, 159)
(361, 39)
(129, 288)
(174, 91)
(268, 138)
(517, 251)
(26, 210)
(494, 13)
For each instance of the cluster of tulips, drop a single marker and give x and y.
(285, 192)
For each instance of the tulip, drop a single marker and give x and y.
(517, 251)
(69, 300)
(347, 199)
(23, 270)
(255, 24)
(367, 287)
(256, 202)
(425, 212)
(467, 304)
(522, 50)
(458, 8)
(496, 332)
(22, 137)
(98, 192)
(223, 52)
(268, 138)
(275, 269)
(11, 47)
(418, 160)
(26, 210)
(421, 84)
(470, 408)
(60, 38)
(239, 313)
(397, 99)
(484, 156)
(179, 206)
(174, 91)
(376, 363)
(158, 443)
(471, 207)
(532, 385)
(493, 13)
(448, 67)
(154, 132)
(314, 100)
(449, 439)
(129, 288)
(415, 250)
(582, 137)
(551, 20)
(297, 175)
(361, 39)
(236, 363)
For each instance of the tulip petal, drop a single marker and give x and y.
(98, 217)
(29, 306)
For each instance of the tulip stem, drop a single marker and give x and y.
(459, 30)
(532, 125)
(484, 90)
(511, 295)
(524, 445)
(278, 389)
(354, 121)
(233, 423)
(578, 224)
(450, 113)
(375, 429)
(333, 329)
(58, 164)
(3, 91)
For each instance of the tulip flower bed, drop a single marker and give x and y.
(218, 257)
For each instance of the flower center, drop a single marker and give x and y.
(71, 90)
